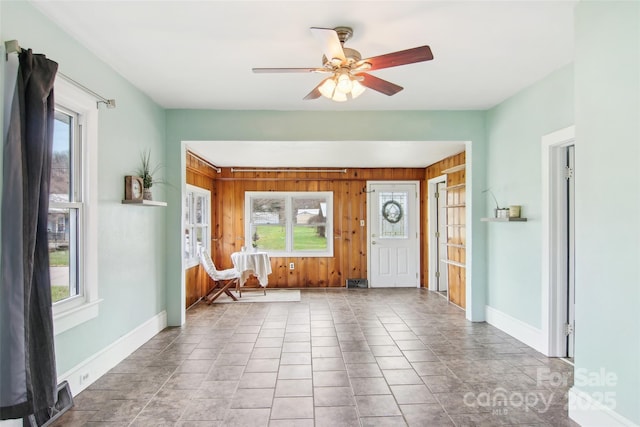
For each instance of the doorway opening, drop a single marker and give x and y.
(558, 213)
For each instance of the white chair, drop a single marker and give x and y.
(223, 279)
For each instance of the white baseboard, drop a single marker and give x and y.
(588, 412)
(85, 373)
(516, 328)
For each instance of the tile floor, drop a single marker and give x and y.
(343, 357)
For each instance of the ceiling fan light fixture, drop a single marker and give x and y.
(328, 88)
(357, 89)
(344, 83)
(332, 89)
(339, 96)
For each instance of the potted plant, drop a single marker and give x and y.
(146, 172)
(498, 212)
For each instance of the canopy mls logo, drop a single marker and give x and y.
(551, 386)
(500, 400)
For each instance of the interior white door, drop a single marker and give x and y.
(394, 234)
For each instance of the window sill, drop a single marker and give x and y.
(71, 318)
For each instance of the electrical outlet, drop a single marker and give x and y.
(84, 377)
(291, 266)
(362, 223)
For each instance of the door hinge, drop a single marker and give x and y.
(568, 329)
(437, 274)
(436, 194)
(437, 234)
(568, 172)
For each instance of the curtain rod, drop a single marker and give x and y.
(12, 46)
(290, 170)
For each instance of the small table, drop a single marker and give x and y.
(252, 263)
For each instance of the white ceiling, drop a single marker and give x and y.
(199, 54)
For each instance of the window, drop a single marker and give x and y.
(72, 225)
(197, 233)
(65, 207)
(290, 223)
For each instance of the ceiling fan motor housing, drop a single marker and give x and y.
(351, 55)
(344, 33)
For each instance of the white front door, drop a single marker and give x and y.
(394, 246)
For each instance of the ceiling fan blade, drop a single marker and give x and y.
(315, 93)
(402, 57)
(290, 70)
(329, 43)
(383, 86)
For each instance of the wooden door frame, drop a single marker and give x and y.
(369, 225)
(554, 231)
(432, 225)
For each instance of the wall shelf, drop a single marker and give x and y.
(455, 187)
(455, 245)
(503, 219)
(144, 203)
(454, 169)
(456, 263)
(461, 205)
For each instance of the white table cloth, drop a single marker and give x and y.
(256, 263)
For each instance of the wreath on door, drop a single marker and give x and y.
(392, 211)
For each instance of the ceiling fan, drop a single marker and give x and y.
(348, 70)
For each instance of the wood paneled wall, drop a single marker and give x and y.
(349, 204)
(456, 214)
(349, 207)
(197, 281)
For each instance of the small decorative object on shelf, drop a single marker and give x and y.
(133, 187)
(146, 172)
(137, 189)
(502, 212)
(498, 212)
(514, 211)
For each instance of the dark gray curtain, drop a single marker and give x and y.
(27, 359)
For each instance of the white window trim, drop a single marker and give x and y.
(72, 312)
(288, 196)
(194, 260)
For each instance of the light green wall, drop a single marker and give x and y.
(131, 245)
(185, 125)
(607, 77)
(514, 131)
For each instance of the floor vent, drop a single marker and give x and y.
(48, 416)
(357, 283)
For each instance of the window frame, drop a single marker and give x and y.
(288, 196)
(73, 311)
(194, 260)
